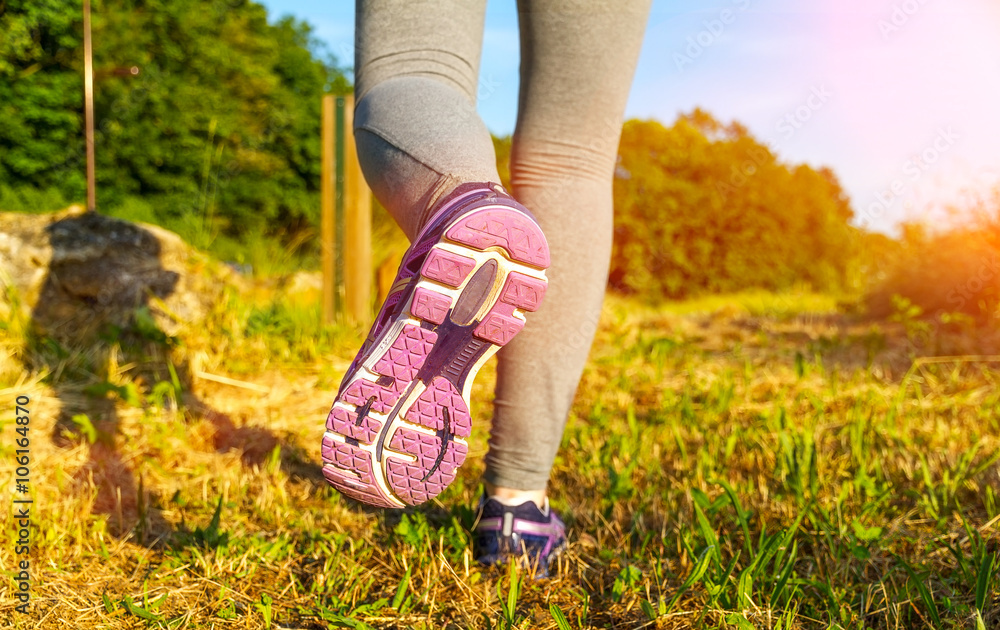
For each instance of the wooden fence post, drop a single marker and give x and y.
(327, 219)
(88, 107)
(357, 228)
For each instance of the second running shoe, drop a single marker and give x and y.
(397, 431)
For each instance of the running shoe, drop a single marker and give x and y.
(397, 431)
(526, 533)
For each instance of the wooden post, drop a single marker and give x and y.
(358, 228)
(327, 216)
(88, 107)
(338, 205)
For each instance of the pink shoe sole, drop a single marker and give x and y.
(397, 431)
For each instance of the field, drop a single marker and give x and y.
(746, 461)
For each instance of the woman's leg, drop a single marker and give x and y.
(417, 130)
(577, 62)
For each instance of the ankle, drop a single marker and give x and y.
(513, 496)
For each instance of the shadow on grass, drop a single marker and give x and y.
(94, 313)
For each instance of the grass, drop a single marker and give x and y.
(751, 461)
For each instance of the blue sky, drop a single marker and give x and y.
(899, 97)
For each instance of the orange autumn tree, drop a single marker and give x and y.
(705, 207)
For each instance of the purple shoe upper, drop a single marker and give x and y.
(461, 199)
(505, 532)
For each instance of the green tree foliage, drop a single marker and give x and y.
(220, 129)
(41, 96)
(702, 206)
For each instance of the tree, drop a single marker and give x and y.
(703, 206)
(41, 96)
(220, 128)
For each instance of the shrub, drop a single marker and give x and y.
(945, 272)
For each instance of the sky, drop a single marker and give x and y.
(901, 98)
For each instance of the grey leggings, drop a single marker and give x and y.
(418, 136)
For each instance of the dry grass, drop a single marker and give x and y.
(823, 427)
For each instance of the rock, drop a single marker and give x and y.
(75, 271)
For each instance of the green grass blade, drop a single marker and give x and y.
(925, 594)
(138, 611)
(741, 516)
(397, 599)
(648, 610)
(156, 603)
(785, 574)
(984, 464)
(738, 620)
(727, 574)
(790, 534)
(503, 602)
(557, 614)
(265, 608)
(983, 580)
(212, 533)
(707, 532)
(766, 550)
(744, 588)
(959, 560)
(515, 588)
(699, 570)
